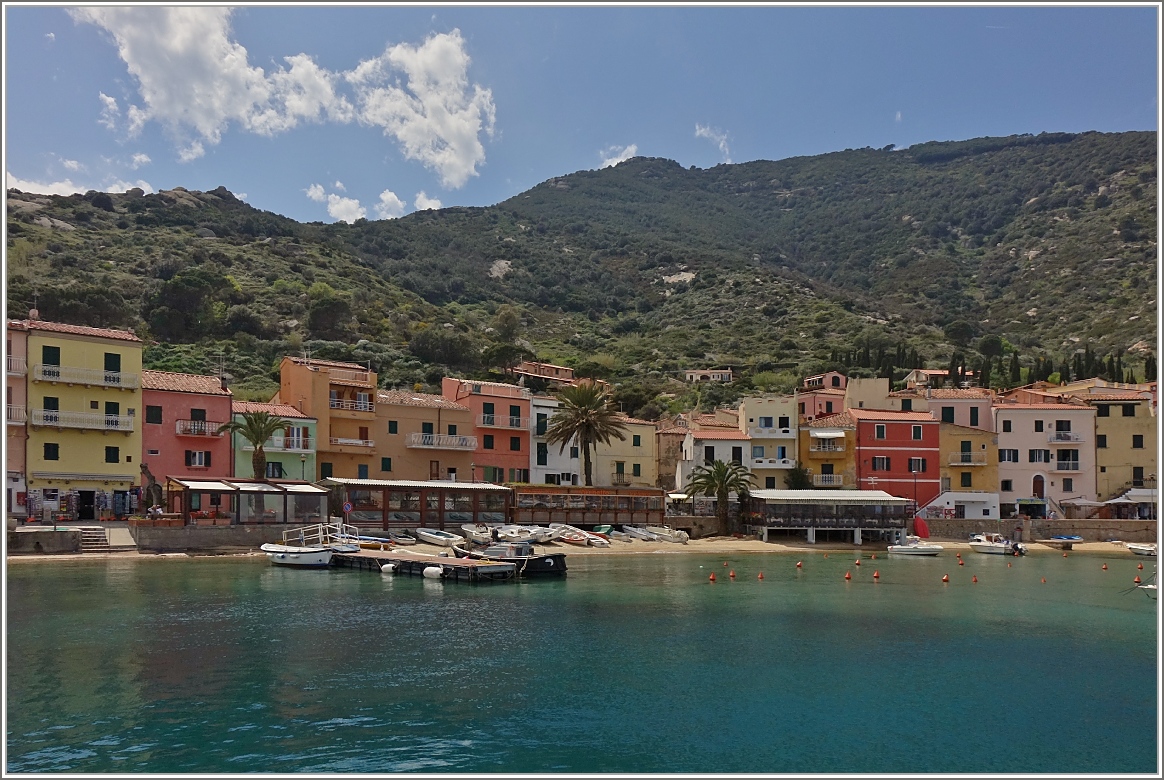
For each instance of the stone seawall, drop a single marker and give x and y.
(44, 541)
(206, 537)
(1033, 529)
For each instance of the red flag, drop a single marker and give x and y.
(920, 529)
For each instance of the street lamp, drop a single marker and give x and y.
(303, 467)
(472, 472)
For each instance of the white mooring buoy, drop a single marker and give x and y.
(432, 572)
(388, 568)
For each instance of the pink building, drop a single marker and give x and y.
(16, 398)
(501, 415)
(969, 407)
(819, 402)
(180, 427)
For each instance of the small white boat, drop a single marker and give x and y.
(1141, 549)
(995, 544)
(481, 534)
(639, 533)
(303, 557)
(576, 538)
(914, 546)
(437, 537)
(568, 533)
(401, 538)
(666, 533)
(621, 536)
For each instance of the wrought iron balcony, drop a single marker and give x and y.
(197, 427)
(17, 415)
(283, 444)
(17, 365)
(828, 480)
(502, 421)
(441, 441)
(342, 442)
(85, 376)
(351, 406)
(1057, 436)
(84, 420)
(620, 478)
(968, 459)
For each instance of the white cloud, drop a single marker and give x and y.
(898, 117)
(67, 187)
(436, 116)
(424, 202)
(716, 136)
(109, 111)
(241, 195)
(140, 159)
(339, 185)
(51, 37)
(613, 155)
(345, 209)
(390, 205)
(117, 185)
(71, 165)
(315, 192)
(195, 80)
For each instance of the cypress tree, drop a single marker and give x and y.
(1016, 376)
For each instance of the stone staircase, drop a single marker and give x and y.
(93, 540)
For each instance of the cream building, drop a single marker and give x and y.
(772, 424)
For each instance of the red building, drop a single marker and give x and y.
(898, 452)
(501, 423)
(180, 435)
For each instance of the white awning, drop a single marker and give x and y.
(828, 497)
(304, 489)
(826, 433)
(678, 496)
(205, 486)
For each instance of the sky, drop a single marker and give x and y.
(326, 113)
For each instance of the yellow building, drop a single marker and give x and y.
(420, 436)
(341, 396)
(84, 432)
(828, 450)
(969, 458)
(632, 461)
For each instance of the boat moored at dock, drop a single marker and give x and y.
(995, 544)
(529, 563)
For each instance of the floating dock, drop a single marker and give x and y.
(414, 564)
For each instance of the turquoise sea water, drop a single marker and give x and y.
(628, 665)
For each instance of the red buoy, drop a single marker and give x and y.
(857, 562)
(876, 575)
(1008, 566)
(725, 563)
(1137, 579)
(1139, 565)
(848, 576)
(1044, 580)
(961, 562)
(799, 564)
(760, 576)
(826, 555)
(732, 574)
(712, 577)
(1104, 567)
(945, 578)
(974, 578)
(873, 556)
(1064, 555)
(957, 555)
(1016, 553)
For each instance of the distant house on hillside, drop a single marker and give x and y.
(934, 377)
(548, 371)
(709, 375)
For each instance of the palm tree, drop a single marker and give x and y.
(256, 428)
(587, 414)
(720, 479)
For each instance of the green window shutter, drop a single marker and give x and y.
(385, 464)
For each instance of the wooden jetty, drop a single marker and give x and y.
(1062, 544)
(414, 564)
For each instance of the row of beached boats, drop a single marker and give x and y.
(997, 544)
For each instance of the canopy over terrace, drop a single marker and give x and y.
(390, 503)
(810, 510)
(247, 501)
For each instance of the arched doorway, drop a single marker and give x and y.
(1037, 486)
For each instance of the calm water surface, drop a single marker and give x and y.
(642, 665)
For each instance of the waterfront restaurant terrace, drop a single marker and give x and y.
(388, 503)
(245, 501)
(810, 510)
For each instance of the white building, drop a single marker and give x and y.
(549, 463)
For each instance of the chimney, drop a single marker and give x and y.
(222, 381)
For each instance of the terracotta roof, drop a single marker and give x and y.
(276, 410)
(1125, 396)
(676, 429)
(825, 390)
(78, 330)
(327, 363)
(181, 383)
(890, 415)
(944, 393)
(491, 384)
(839, 420)
(635, 421)
(740, 435)
(1057, 407)
(17, 325)
(427, 400)
(941, 371)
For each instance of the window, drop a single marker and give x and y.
(573, 452)
(1137, 441)
(1007, 485)
(1008, 456)
(1038, 426)
(1101, 441)
(881, 463)
(757, 451)
(1068, 485)
(879, 432)
(1102, 410)
(783, 422)
(153, 452)
(198, 414)
(917, 465)
(1137, 476)
(907, 404)
(917, 433)
(828, 407)
(543, 421)
(543, 453)
(801, 409)
(553, 479)
(709, 454)
(1006, 426)
(487, 408)
(967, 479)
(50, 356)
(393, 426)
(782, 452)
(274, 470)
(112, 455)
(426, 428)
(1063, 426)
(518, 475)
(112, 362)
(515, 444)
(487, 441)
(361, 471)
(198, 459)
(836, 381)
(154, 415)
(769, 483)
(636, 470)
(94, 404)
(1129, 410)
(52, 451)
(973, 416)
(324, 470)
(385, 464)
(737, 455)
(636, 441)
(765, 422)
(947, 414)
(1038, 456)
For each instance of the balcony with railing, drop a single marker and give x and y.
(828, 480)
(502, 421)
(1066, 465)
(85, 376)
(283, 444)
(968, 459)
(17, 415)
(620, 478)
(772, 433)
(339, 441)
(17, 366)
(348, 377)
(348, 405)
(85, 420)
(827, 446)
(1064, 436)
(441, 441)
(197, 427)
(772, 463)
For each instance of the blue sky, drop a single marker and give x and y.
(326, 113)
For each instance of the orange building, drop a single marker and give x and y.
(420, 436)
(501, 416)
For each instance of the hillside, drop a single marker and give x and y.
(868, 260)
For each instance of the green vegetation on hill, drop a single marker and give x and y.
(868, 260)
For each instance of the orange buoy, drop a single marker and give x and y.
(732, 574)
(961, 562)
(799, 564)
(1044, 580)
(712, 577)
(945, 578)
(848, 576)
(1064, 555)
(826, 555)
(1139, 565)
(760, 576)
(1016, 553)
(857, 562)
(873, 556)
(876, 575)
(725, 563)
(1104, 567)
(1137, 579)
(974, 578)
(957, 555)
(1008, 566)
